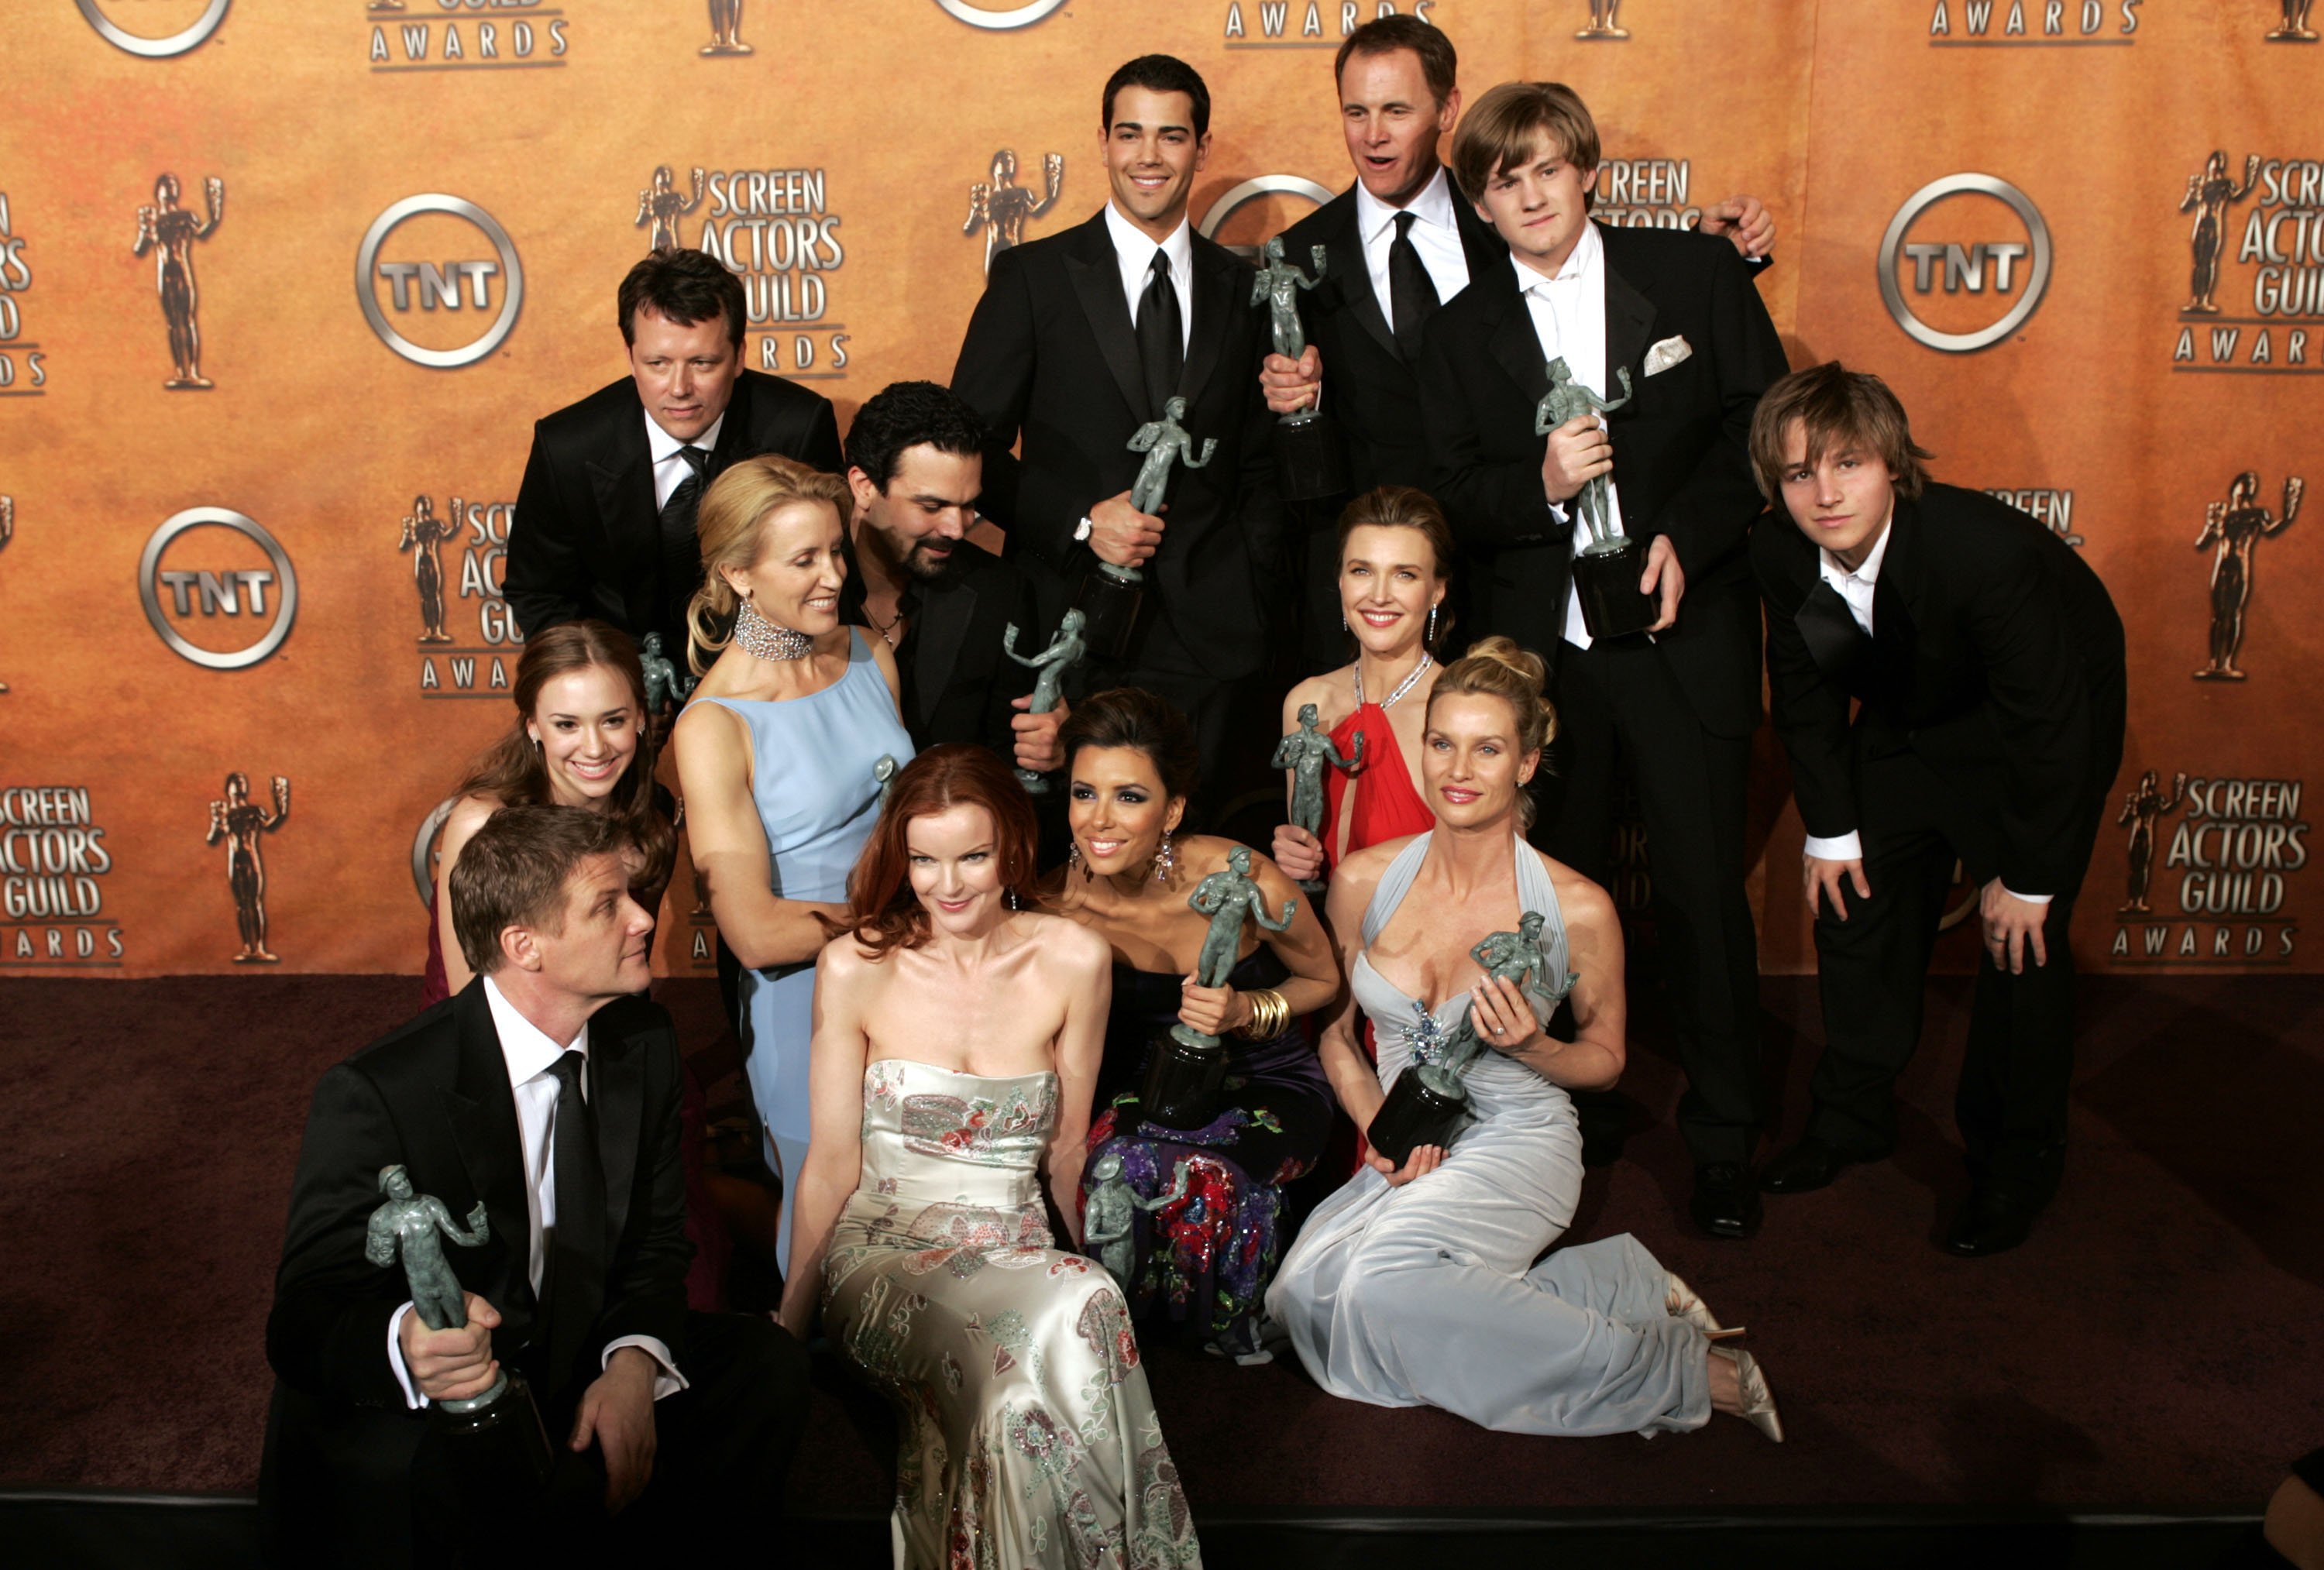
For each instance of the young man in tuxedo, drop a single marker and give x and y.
(944, 604)
(1986, 662)
(1397, 244)
(1677, 313)
(1084, 337)
(604, 517)
(546, 1091)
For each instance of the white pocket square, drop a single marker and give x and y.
(1667, 353)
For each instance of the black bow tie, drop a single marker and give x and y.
(1835, 642)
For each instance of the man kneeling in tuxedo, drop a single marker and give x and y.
(547, 1090)
(1987, 662)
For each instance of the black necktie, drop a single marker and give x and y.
(573, 1287)
(1835, 641)
(1411, 292)
(1161, 342)
(681, 557)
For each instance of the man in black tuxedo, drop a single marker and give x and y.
(1397, 244)
(1084, 337)
(1987, 662)
(1678, 314)
(916, 463)
(547, 1090)
(604, 518)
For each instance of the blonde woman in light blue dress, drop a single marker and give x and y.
(955, 1052)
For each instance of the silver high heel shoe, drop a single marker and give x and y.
(1682, 1304)
(1758, 1404)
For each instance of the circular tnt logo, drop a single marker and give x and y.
(218, 588)
(1964, 263)
(162, 47)
(1003, 19)
(1258, 189)
(439, 280)
(423, 850)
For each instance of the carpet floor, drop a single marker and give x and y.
(2155, 1346)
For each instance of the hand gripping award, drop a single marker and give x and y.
(1429, 1102)
(1185, 1067)
(1110, 597)
(501, 1443)
(1064, 652)
(1303, 754)
(1307, 462)
(1607, 571)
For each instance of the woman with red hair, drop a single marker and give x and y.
(957, 1035)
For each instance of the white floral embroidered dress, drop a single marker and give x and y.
(1028, 1434)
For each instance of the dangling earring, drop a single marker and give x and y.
(1011, 895)
(1343, 622)
(1165, 860)
(1074, 853)
(1432, 627)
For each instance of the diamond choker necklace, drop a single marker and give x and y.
(763, 639)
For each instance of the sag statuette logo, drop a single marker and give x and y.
(52, 866)
(1963, 277)
(439, 280)
(450, 35)
(997, 208)
(478, 531)
(999, 17)
(169, 233)
(192, 33)
(2225, 888)
(239, 824)
(2271, 213)
(1971, 23)
(218, 588)
(1322, 24)
(775, 230)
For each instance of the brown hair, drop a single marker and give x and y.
(729, 524)
(1497, 667)
(1835, 407)
(684, 286)
(513, 870)
(513, 772)
(882, 910)
(1135, 717)
(1501, 130)
(1439, 64)
(1402, 506)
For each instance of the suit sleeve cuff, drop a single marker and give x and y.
(667, 1381)
(2028, 898)
(1848, 847)
(412, 1395)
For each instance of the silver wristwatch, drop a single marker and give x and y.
(1082, 530)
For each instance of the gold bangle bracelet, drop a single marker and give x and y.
(1270, 1014)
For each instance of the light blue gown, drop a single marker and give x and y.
(811, 762)
(1430, 1295)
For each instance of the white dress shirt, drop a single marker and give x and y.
(530, 1056)
(1859, 588)
(1435, 236)
(1133, 251)
(670, 470)
(1569, 317)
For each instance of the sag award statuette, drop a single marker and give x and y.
(1064, 651)
(1306, 445)
(1428, 1103)
(1607, 571)
(1185, 1067)
(1303, 753)
(500, 1431)
(1110, 597)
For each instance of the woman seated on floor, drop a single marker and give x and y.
(1415, 1285)
(956, 1043)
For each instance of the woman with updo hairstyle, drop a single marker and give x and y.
(780, 752)
(1396, 565)
(1203, 1254)
(1416, 1284)
(956, 1043)
(580, 739)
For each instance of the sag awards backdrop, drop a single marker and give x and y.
(283, 284)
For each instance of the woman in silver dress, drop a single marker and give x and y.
(1417, 1284)
(956, 1046)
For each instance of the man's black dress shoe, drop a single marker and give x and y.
(1807, 1166)
(1995, 1220)
(1725, 1205)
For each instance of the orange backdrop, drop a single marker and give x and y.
(837, 156)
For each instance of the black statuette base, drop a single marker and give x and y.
(1308, 464)
(1415, 1115)
(1608, 582)
(1180, 1087)
(502, 1447)
(1109, 606)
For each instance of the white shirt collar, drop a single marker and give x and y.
(1581, 262)
(1135, 245)
(664, 447)
(1870, 572)
(1434, 205)
(527, 1048)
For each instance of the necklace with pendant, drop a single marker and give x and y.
(1402, 687)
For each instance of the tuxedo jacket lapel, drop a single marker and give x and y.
(1629, 322)
(1096, 278)
(617, 1066)
(481, 1110)
(1216, 298)
(1344, 261)
(1515, 346)
(621, 482)
(943, 627)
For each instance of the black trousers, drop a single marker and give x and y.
(373, 1487)
(2011, 1104)
(1618, 701)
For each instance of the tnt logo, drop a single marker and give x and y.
(218, 588)
(439, 280)
(1964, 263)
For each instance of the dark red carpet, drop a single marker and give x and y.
(2156, 1345)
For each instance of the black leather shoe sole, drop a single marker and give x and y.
(1726, 1209)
